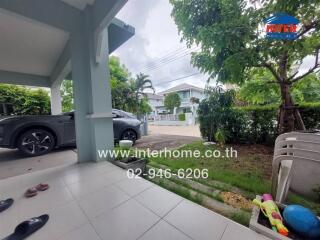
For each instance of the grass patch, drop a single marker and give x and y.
(243, 172)
(250, 172)
(181, 191)
(213, 196)
(241, 217)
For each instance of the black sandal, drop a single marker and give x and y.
(5, 204)
(26, 228)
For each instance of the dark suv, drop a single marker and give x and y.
(38, 135)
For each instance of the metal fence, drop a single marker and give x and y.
(166, 117)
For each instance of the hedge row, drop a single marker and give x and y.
(25, 101)
(260, 122)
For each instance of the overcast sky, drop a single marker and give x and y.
(156, 37)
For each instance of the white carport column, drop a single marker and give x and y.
(92, 93)
(56, 104)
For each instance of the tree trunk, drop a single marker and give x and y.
(289, 114)
(289, 117)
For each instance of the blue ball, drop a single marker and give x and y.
(302, 221)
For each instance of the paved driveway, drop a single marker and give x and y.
(12, 163)
(191, 131)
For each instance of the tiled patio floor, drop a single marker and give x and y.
(99, 202)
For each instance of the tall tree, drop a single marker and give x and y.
(230, 35)
(138, 85)
(118, 71)
(258, 91)
(171, 101)
(67, 95)
(120, 88)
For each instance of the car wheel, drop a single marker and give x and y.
(36, 142)
(129, 135)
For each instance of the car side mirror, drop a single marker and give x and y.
(71, 116)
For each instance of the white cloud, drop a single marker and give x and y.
(156, 36)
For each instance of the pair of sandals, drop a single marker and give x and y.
(31, 192)
(28, 227)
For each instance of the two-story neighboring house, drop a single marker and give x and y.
(186, 92)
(156, 102)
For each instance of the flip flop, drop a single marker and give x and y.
(26, 228)
(31, 192)
(42, 187)
(5, 204)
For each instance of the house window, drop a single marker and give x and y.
(184, 95)
(186, 110)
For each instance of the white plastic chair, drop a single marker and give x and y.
(301, 175)
(296, 164)
(289, 144)
(300, 136)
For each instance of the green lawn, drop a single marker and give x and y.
(243, 172)
(246, 175)
(250, 172)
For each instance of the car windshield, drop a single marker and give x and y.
(123, 113)
(115, 111)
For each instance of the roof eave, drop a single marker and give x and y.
(118, 33)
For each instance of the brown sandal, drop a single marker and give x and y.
(31, 192)
(42, 187)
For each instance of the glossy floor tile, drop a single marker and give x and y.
(158, 200)
(98, 201)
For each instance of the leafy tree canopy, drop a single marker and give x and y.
(138, 86)
(144, 106)
(127, 93)
(258, 91)
(118, 71)
(171, 101)
(67, 95)
(230, 33)
(25, 101)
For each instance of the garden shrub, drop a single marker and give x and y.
(261, 124)
(182, 117)
(310, 113)
(250, 124)
(217, 114)
(25, 101)
(263, 120)
(221, 137)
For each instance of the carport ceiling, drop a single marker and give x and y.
(28, 46)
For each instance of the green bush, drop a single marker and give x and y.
(310, 113)
(25, 101)
(263, 120)
(251, 124)
(260, 124)
(221, 136)
(182, 117)
(217, 114)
